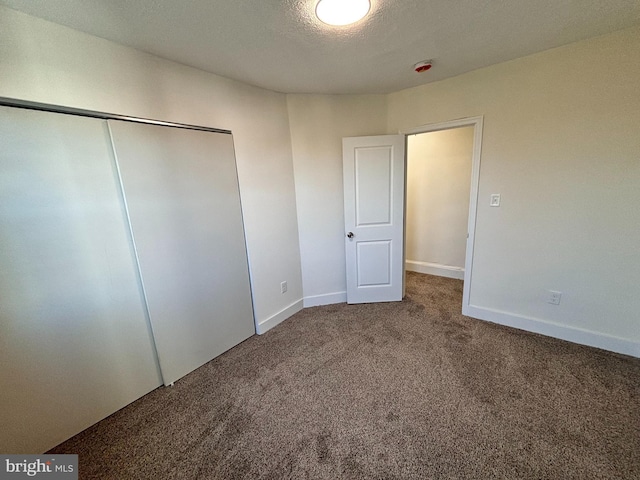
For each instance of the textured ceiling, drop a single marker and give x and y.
(280, 45)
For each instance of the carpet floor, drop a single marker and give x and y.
(406, 390)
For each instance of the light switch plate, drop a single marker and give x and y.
(495, 200)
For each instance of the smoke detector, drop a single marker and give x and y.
(422, 66)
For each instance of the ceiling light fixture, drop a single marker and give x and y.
(342, 12)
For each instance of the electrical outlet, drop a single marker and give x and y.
(554, 297)
(283, 287)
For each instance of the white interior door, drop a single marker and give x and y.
(183, 201)
(374, 217)
(75, 344)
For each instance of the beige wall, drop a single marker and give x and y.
(561, 145)
(437, 210)
(44, 62)
(318, 124)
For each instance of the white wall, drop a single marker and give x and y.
(562, 145)
(318, 124)
(437, 209)
(44, 62)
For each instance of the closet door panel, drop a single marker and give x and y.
(183, 200)
(75, 344)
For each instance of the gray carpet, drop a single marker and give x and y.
(384, 391)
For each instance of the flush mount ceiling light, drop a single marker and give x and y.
(342, 12)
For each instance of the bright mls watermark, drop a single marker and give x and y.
(52, 467)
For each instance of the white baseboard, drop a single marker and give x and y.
(435, 269)
(550, 329)
(535, 325)
(325, 299)
(279, 317)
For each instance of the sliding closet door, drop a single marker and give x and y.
(75, 345)
(183, 200)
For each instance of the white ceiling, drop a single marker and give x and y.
(280, 45)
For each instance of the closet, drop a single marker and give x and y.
(123, 264)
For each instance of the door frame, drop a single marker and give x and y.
(477, 122)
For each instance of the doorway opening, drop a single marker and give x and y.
(442, 172)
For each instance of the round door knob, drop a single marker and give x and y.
(350, 235)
